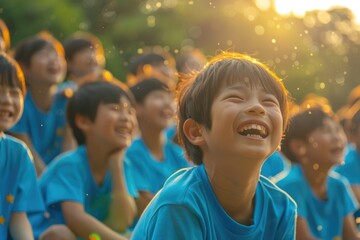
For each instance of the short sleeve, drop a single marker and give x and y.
(65, 184)
(28, 197)
(286, 229)
(349, 203)
(171, 222)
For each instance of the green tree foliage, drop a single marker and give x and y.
(318, 53)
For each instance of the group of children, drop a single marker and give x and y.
(94, 158)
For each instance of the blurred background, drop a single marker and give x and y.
(314, 48)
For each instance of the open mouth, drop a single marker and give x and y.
(254, 130)
(337, 150)
(5, 114)
(123, 130)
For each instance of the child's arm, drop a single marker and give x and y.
(38, 162)
(143, 200)
(20, 228)
(83, 224)
(122, 208)
(302, 230)
(69, 142)
(350, 231)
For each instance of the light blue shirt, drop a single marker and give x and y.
(187, 208)
(274, 164)
(324, 217)
(351, 168)
(45, 129)
(150, 173)
(19, 191)
(69, 178)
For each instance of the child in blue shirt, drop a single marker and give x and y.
(152, 157)
(19, 192)
(350, 169)
(315, 143)
(42, 125)
(85, 59)
(274, 164)
(86, 188)
(231, 118)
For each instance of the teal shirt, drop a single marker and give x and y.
(187, 208)
(19, 191)
(324, 217)
(45, 129)
(69, 178)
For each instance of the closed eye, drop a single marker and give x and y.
(234, 98)
(271, 101)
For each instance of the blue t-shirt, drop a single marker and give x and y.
(150, 174)
(187, 208)
(351, 168)
(69, 178)
(274, 164)
(19, 190)
(45, 129)
(324, 217)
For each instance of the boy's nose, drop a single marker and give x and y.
(255, 107)
(5, 96)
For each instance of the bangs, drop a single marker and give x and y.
(11, 74)
(249, 75)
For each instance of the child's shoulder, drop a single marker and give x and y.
(65, 92)
(71, 161)
(337, 180)
(274, 192)
(136, 145)
(14, 149)
(12, 141)
(180, 186)
(292, 177)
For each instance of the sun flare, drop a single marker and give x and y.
(299, 8)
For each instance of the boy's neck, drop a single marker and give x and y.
(316, 175)
(235, 189)
(154, 140)
(98, 159)
(43, 96)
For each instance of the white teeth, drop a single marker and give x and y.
(254, 130)
(122, 130)
(5, 114)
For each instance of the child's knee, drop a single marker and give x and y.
(58, 232)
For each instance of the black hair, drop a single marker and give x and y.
(143, 88)
(75, 45)
(300, 127)
(86, 100)
(10, 73)
(30, 46)
(141, 60)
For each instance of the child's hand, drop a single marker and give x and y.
(116, 160)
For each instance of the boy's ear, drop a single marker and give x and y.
(298, 147)
(82, 122)
(194, 132)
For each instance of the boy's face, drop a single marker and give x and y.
(326, 144)
(114, 124)
(157, 109)
(11, 106)
(85, 62)
(246, 123)
(46, 67)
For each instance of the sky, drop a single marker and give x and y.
(299, 7)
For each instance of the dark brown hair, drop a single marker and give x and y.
(196, 94)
